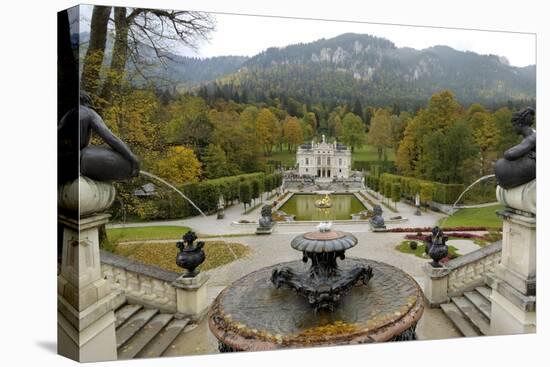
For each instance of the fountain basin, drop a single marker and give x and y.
(253, 315)
(304, 207)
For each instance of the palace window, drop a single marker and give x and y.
(318, 161)
(340, 162)
(307, 161)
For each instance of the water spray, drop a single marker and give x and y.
(150, 175)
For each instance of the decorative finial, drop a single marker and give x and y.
(324, 226)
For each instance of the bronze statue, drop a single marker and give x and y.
(377, 221)
(518, 166)
(266, 221)
(113, 163)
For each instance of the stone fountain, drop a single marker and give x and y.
(336, 300)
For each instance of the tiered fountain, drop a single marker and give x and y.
(335, 301)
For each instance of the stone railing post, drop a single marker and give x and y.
(459, 275)
(435, 289)
(191, 296)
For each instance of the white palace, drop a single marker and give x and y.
(324, 160)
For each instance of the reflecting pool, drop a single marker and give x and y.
(303, 207)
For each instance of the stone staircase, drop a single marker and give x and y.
(145, 332)
(471, 312)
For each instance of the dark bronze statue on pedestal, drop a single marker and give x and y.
(519, 164)
(100, 163)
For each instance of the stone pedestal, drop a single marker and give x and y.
(86, 321)
(513, 300)
(435, 289)
(191, 296)
(264, 230)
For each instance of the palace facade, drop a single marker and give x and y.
(324, 160)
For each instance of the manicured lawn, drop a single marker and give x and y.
(287, 158)
(369, 153)
(145, 233)
(482, 217)
(420, 249)
(163, 255)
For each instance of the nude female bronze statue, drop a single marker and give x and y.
(518, 166)
(114, 162)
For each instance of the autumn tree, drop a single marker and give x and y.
(335, 124)
(486, 136)
(93, 60)
(180, 166)
(189, 124)
(267, 130)
(293, 133)
(380, 133)
(238, 141)
(215, 162)
(133, 119)
(507, 136)
(440, 115)
(353, 131)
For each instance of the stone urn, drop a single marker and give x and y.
(191, 255)
(437, 248)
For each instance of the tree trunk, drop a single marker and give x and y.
(96, 49)
(119, 58)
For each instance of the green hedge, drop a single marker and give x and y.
(205, 194)
(376, 168)
(438, 192)
(166, 204)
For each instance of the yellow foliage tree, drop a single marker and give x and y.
(293, 133)
(180, 166)
(267, 129)
(380, 133)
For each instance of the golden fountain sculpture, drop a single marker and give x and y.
(324, 202)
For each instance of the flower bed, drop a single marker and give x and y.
(429, 229)
(481, 240)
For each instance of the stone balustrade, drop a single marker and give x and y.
(143, 284)
(461, 274)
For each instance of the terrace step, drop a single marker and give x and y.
(133, 346)
(133, 325)
(485, 292)
(476, 318)
(162, 341)
(124, 313)
(459, 319)
(480, 303)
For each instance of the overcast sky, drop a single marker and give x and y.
(249, 35)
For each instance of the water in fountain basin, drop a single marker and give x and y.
(150, 175)
(464, 192)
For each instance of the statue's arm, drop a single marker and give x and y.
(521, 149)
(97, 125)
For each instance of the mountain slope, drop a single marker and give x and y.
(176, 70)
(361, 66)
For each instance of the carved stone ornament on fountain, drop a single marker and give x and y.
(324, 284)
